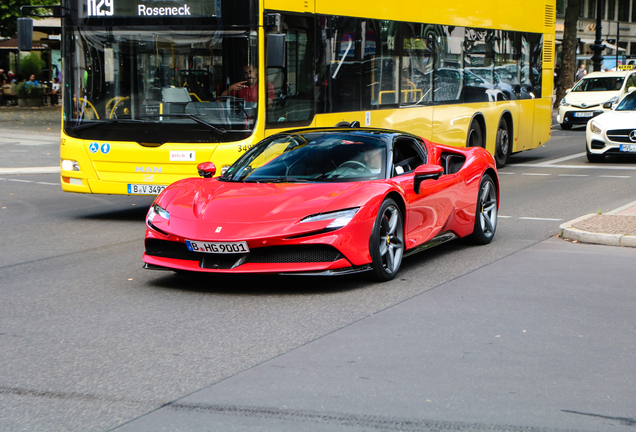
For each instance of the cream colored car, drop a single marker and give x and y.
(593, 95)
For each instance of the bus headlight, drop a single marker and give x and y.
(70, 165)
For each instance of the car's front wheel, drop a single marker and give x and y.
(595, 158)
(486, 214)
(387, 241)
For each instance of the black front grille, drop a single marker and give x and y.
(620, 135)
(170, 249)
(263, 255)
(597, 145)
(294, 254)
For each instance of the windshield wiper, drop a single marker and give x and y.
(192, 117)
(282, 179)
(94, 123)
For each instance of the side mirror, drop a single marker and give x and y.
(568, 91)
(275, 50)
(607, 105)
(426, 172)
(206, 169)
(631, 89)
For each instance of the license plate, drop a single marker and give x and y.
(583, 114)
(217, 247)
(145, 189)
(628, 148)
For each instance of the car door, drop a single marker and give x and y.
(427, 212)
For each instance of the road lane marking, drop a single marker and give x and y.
(31, 170)
(574, 175)
(553, 161)
(610, 176)
(597, 166)
(535, 174)
(541, 219)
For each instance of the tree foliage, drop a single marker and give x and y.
(10, 12)
(568, 68)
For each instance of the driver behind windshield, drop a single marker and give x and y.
(248, 89)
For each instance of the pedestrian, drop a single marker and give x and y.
(581, 72)
(55, 90)
(32, 82)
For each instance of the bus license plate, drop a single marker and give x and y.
(628, 148)
(583, 114)
(145, 189)
(217, 247)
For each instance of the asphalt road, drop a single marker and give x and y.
(530, 333)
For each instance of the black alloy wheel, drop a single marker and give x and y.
(486, 214)
(387, 241)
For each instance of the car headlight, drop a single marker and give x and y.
(340, 218)
(156, 210)
(613, 100)
(564, 103)
(595, 128)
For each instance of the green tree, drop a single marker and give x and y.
(10, 12)
(31, 64)
(568, 68)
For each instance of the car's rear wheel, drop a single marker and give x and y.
(502, 147)
(486, 214)
(387, 241)
(594, 158)
(566, 126)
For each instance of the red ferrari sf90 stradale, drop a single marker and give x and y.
(324, 202)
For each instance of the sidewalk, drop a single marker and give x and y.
(614, 228)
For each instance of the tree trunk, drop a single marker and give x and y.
(568, 47)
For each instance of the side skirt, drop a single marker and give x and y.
(435, 241)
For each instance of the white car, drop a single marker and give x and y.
(593, 95)
(614, 132)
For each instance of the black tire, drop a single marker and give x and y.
(475, 136)
(386, 244)
(486, 213)
(502, 146)
(566, 126)
(594, 158)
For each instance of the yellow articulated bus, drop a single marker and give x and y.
(153, 88)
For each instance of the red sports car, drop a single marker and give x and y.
(324, 202)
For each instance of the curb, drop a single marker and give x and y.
(570, 233)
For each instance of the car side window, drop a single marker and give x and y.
(408, 154)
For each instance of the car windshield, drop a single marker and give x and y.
(317, 156)
(599, 84)
(628, 103)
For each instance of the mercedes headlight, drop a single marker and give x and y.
(339, 218)
(595, 128)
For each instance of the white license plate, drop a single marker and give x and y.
(217, 247)
(145, 189)
(583, 114)
(628, 148)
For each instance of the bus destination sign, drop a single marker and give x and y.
(150, 8)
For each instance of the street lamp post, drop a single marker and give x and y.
(598, 46)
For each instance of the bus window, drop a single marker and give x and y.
(417, 66)
(293, 84)
(448, 78)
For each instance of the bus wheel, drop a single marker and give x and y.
(502, 147)
(474, 135)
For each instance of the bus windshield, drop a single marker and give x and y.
(175, 80)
